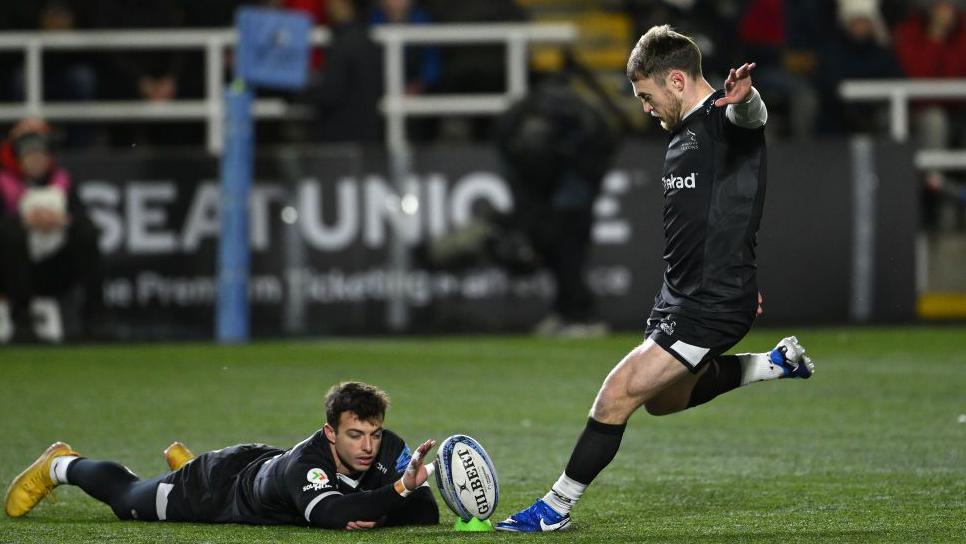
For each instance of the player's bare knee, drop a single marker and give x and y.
(603, 409)
(611, 407)
(614, 403)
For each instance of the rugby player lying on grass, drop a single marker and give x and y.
(350, 474)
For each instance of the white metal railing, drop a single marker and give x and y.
(899, 92)
(396, 105)
(940, 159)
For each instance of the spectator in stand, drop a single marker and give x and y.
(152, 75)
(476, 68)
(47, 242)
(423, 64)
(348, 95)
(931, 43)
(67, 76)
(858, 49)
(318, 12)
(792, 101)
(556, 148)
(14, 17)
(315, 9)
(473, 69)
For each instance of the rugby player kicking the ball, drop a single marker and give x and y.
(351, 474)
(714, 190)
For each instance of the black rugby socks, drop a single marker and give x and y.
(595, 449)
(722, 375)
(115, 485)
(103, 480)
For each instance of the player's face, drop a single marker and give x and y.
(658, 101)
(356, 442)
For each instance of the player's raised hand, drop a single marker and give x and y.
(737, 85)
(416, 472)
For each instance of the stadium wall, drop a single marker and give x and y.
(321, 229)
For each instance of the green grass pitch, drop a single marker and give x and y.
(871, 449)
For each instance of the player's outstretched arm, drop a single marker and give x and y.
(362, 510)
(746, 109)
(419, 509)
(737, 85)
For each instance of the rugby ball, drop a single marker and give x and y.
(466, 478)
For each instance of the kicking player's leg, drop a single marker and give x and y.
(677, 396)
(726, 372)
(640, 376)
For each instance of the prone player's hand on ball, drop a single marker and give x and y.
(416, 472)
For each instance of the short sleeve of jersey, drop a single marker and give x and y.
(308, 481)
(718, 125)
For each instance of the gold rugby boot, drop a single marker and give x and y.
(177, 455)
(34, 483)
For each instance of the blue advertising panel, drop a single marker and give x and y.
(273, 47)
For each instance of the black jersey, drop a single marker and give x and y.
(285, 488)
(714, 190)
(258, 484)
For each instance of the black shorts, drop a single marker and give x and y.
(694, 339)
(204, 490)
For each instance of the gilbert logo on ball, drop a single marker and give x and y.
(466, 478)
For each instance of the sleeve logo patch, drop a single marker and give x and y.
(403, 460)
(317, 478)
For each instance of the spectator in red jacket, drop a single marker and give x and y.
(763, 38)
(319, 14)
(931, 43)
(47, 242)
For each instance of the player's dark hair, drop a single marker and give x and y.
(661, 50)
(367, 402)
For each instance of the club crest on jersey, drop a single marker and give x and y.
(317, 479)
(690, 141)
(668, 327)
(679, 182)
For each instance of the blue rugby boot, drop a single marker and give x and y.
(536, 519)
(790, 356)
